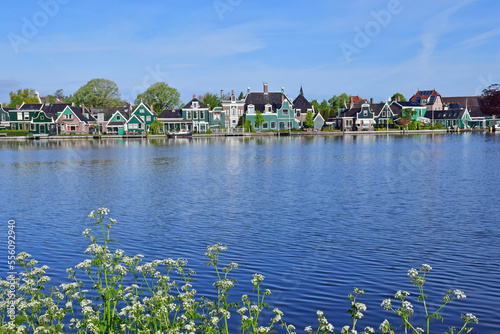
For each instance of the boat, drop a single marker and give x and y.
(180, 134)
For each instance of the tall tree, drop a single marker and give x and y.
(99, 93)
(161, 96)
(491, 100)
(315, 104)
(259, 119)
(324, 110)
(396, 96)
(211, 99)
(59, 94)
(337, 102)
(309, 119)
(26, 95)
(241, 96)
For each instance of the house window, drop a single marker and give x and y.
(251, 109)
(383, 113)
(188, 114)
(285, 112)
(195, 114)
(195, 104)
(298, 112)
(148, 118)
(216, 117)
(241, 112)
(265, 126)
(68, 116)
(273, 125)
(19, 116)
(282, 125)
(32, 127)
(26, 115)
(365, 112)
(202, 114)
(290, 125)
(118, 118)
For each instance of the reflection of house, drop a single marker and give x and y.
(74, 120)
(233, 110)
(197, 112)
(453, 116)
(428, 98)
(276, 107)
(173, 121)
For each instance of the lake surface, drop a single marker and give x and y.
(317, 216)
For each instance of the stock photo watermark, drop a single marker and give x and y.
(11, 274)
(153, 75)
(224, 6)
(364, 36)
(31, 26)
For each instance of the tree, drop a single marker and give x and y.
(156, 127)
(211, 99)
(59, 94)
(324, 110)
(338, 102)
(315, 104)
(309, 119)
(161, 96)
(491, 100)
(26, 95)
(395, 97)
(406, 117)
(241, 96)
(259, 119)
(99, 93)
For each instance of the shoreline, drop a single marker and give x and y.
(252, 134)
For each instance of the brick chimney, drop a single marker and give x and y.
(17, 106)
(92, 109)
(232, 92)
(194, 96)
(83, 109)
(371, 100)
(265, 88)
(47, 99)
(282, 94)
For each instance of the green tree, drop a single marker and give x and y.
(315, 104)
(211, 99)
(100, 93)
(395, 97)
(241, 96)
(309, 119)
(259, 119)
(324, 110)
(406, 117)
(26, 95)
(161, 96)
(156, 127)
(337, 102)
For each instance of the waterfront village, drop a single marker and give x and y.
(261, 112)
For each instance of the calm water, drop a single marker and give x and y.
(316, 216)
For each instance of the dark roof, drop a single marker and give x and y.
(175, 113)
(445, 114)
(301, 103)
(117, 122)
(190, 103)
(31, 106)
(376, 108)
(78, 112)
(475, 111)
(468, 101)
(352, 112)
(259, 100)
(51, 110)
(408, 104)
(109, 112)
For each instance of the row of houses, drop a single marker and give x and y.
(427, 107)
(278, 111)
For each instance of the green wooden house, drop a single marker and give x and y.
(277, 110)
(32, 118)
(145, 114)
(453, 116)
(4, 118)
(197, 112)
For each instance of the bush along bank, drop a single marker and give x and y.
(129, 296)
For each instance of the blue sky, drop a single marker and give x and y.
(367, 48)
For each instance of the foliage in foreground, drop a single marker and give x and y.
(128, 296)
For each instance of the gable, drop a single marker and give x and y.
(134, 120)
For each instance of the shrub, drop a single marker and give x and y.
(12, 133)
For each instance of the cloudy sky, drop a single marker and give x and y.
(367, 48)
